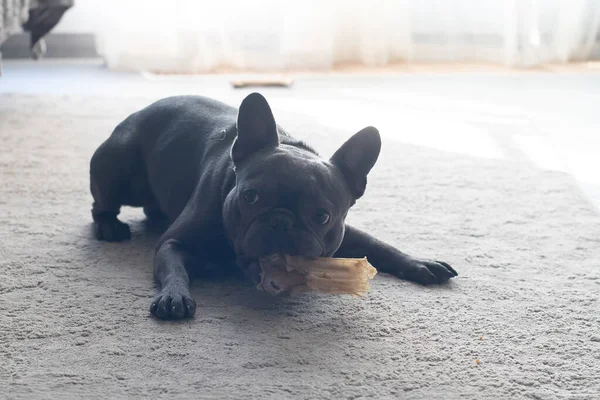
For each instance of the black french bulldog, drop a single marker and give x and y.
(234, 187)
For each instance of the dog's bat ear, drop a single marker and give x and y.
(256, 128)
(356, 157)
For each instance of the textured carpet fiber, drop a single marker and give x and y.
(521, 320)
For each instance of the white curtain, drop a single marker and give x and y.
(199, 36)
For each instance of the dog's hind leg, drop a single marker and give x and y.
(109, 181)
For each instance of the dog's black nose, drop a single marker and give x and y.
(281, 222)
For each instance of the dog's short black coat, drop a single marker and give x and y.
(234, 187)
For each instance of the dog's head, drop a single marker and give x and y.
(287, 199)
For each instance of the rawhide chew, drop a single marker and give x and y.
(294, 275)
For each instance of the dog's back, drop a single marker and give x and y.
(154, 158)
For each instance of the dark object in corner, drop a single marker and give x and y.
(44, 15)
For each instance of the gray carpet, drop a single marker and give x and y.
(521, 320)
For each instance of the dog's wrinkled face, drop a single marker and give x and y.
(288, 200)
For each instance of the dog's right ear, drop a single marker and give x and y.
(256, 128)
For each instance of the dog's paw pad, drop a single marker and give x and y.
(112, 230)
(428, 272)
(173, 304)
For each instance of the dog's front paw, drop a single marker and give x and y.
(428, 272)
(173, 303)
(112, 230)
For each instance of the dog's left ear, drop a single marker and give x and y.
(356, 157)
(256, 129)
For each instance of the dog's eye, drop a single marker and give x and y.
(321, 217)
(250, 196)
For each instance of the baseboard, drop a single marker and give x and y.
(59, 45)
